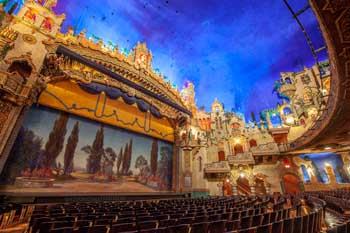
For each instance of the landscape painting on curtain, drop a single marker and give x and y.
(59, 152)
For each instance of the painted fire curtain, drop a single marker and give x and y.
(71, 154)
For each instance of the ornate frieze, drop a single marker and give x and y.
(60, 67)
(245, 158)
(118, 63)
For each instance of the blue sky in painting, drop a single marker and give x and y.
(232, 50)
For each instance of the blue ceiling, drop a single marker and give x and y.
(232, 50)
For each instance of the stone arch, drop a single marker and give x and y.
(227, 187)
(22, 67)
(260, 183)
(253, 143)
(243, 185)
(291, 183)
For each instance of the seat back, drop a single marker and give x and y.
(199, 227)
(277, 227)
(217, 226)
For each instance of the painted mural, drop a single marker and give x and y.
(59, 152)
(319, 163)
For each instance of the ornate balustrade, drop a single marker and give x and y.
(245, 158)
(217, 167)
(265, 149)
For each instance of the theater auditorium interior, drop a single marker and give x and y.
(159, 116)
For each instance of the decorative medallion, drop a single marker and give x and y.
(29, 39)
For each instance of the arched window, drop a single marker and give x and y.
(221, 155)
(238, 149)
(305, 174)
(288, 80)
(253, 143)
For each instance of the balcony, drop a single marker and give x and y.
(217, 167)
(265, 149)
(287, 89)
(245, 158)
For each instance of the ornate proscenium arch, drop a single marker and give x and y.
(333, 125)
(104, 70)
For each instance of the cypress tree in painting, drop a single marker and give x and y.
(54, 144)
(70, 149)
(165, 168)
(119, 160)
(95, 152)
(154, 157)
(128, 161)
(125, 157)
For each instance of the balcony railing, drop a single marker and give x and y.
(265, 149)
(245, 158)
(217, 167)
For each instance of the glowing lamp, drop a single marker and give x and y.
(290, 120)
(328, 148)
(228, 180)
(327, 164)
(241, 175)
(286, 162)
(237, 141)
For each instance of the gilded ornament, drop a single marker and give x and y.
(30, 39)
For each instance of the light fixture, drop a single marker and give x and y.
(241, 175)
(228, 180)
(290, 120)
(287, 166)
(328, 148)
(327, 164)
(237, 140)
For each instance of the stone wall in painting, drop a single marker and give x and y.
(57, 152)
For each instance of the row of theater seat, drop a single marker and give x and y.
(337, 202)
(186, 215)
(14, 214)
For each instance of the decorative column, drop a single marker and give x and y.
(268, 188)
(234, 189)
(220, 187)
(252, 188)
(329, 170)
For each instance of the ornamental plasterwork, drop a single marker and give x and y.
(79, 72)
(119, 64)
